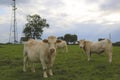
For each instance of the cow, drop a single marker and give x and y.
(62, 45)
(97, 47)
(43, 52)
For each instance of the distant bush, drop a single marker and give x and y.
(116, 44)
(8, 43)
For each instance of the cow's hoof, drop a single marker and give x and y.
(45, 76)
(51, 74)
(24, 70)
(33, 71)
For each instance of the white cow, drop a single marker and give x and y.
(62, 45)
(98, 47)
(40, 52)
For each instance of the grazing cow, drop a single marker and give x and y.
(62, 45)
(40, 52)
(98, 47)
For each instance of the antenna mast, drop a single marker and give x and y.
(14, 23)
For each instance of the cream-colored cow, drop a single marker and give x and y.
(98, 47)
(40, 52)
(62, 45)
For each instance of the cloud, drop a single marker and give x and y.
(113, 5)
(115, 35)
(53, 4)
(9, 2)
(106, 4)
(89, 19)
(89, 31)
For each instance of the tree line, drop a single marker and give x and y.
(69, 38)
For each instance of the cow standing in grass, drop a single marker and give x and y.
(62, 45)
(98, 47)
(43, 52)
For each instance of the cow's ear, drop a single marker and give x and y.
(58, 41)
(78, 42)
(45, 41)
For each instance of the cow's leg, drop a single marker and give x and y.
(63, 49)
(89, 56)
(50, 65)
(24, 63)
(110, 56)
(66, 48)
(44, 65)
(50, 69)
(32, 67)
(109, 53)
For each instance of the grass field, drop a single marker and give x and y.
(67, 66)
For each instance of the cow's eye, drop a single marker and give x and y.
(48, 43)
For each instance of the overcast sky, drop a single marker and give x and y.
(89, 19)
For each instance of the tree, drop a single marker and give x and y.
(74, 38)
(34, 26)
(61, 37)
(69, 38)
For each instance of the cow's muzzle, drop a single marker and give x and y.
(52, 50)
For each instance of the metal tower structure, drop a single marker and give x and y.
(13, 36)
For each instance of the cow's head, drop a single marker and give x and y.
(51, 41)
(82, 43)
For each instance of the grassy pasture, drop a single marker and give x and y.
(67, 66)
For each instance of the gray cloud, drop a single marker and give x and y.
(61, 22)
(92, 1)
(115, 36)
(89, 31)
(111, 5)
(8, 2)
(53, 4)
(108, 5)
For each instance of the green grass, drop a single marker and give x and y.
(67, 66)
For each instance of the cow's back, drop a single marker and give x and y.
(106, 43)
(34, 49)
(101, 46)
